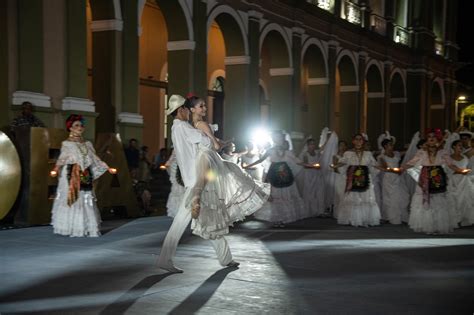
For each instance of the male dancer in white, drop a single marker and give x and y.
(185, 139)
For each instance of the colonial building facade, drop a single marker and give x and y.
(297, 65)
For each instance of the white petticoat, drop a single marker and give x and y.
(436, 216)
(229, 195)
(81, 219)
(359, 208)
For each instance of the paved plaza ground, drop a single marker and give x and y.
(310, 267)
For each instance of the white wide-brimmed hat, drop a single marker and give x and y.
(466, 132)
(175, 102)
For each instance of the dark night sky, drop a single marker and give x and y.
(465, 39)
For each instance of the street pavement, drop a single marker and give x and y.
(313, 266)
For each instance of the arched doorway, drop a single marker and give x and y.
(228, 54)
(374, 103)
(315, 113)
(397, 108)
(277, 70)
(347, 91)
(437, 108)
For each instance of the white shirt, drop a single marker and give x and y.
(186, 140)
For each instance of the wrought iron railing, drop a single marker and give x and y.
(352, 12)
(378, 24)
(401, 35)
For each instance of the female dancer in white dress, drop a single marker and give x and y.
(460, 186)
(285, 204)
(395, 197)
(177, 186)
(75, 211)
(358, 206)
(223, 193)
(340, 176)
(431, 210)
(311, 179)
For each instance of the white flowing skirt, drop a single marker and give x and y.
(285, 206)
(461, 189)
(359, 208)
(395, 199)
(82, 218)
(436, 216)
(312, 192)
(228, 195)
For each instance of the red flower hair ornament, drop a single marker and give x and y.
(436, 131)
(73, 118)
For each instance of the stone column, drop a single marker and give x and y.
(75, 97)
(253, 103)
(362, 105)
(130, 121)
(107, 72)
(297, 104)
(200, 50)
(332, 92)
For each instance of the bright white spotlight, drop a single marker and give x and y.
(261, 136)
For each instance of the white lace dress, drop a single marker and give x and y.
(359, 208)
(395, 197)
(311, 185)
(228, 194)
(177, 189)
(461, 189)
(286, 204)
(82, 218)
(430, 212)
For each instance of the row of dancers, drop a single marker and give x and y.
(430, 186)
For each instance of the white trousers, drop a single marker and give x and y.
(180, 222)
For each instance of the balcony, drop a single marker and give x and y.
(378, 24)
(401, 35)
(322, 4)
(439, 47)
(351, 12)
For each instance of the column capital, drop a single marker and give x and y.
(131, 118)
(274, 72)
(255, 15)
(237, 60)
(37, 99)
(77, 104)
(181, 45)
(107, 25)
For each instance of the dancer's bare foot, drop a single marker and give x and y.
(195, 207)
(171, 269)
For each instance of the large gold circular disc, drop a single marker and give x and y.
(10, 174)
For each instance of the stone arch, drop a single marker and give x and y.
(272, 29)
(233, 29)
(175, 13)
(375, 64)
(397, 110)
(347, 92)
(400, 82)
(441, 98)
(314, 114)
(374, 99)
(309, 44)
(277, 71)
(347, 63)
(437, 112)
